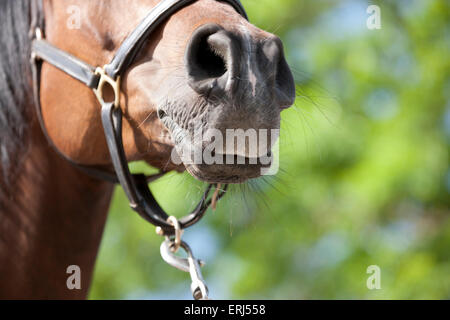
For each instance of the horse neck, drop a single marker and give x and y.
(52, 217)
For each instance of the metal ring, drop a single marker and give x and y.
(38, 34)
(199, 291)
(114, 83)
(178, 231)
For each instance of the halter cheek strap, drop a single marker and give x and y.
(134, 185)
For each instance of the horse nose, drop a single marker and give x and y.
(224, 64)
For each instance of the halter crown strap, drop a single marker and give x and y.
(134, 185)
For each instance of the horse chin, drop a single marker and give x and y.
(223, 173)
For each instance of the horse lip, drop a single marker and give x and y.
(246, 158)
(241, 169)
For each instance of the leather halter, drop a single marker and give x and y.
(135, 185)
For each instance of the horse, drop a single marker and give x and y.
(205, 67)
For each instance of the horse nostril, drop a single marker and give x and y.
(208, 59)
(161, 114)
(283, 81)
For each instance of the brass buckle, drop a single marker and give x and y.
(115, 85)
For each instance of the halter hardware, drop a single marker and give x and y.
(38, 34)
(190, 264)
(104, 78)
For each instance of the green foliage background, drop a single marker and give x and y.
(365, 176)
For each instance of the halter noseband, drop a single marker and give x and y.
(135, 185)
